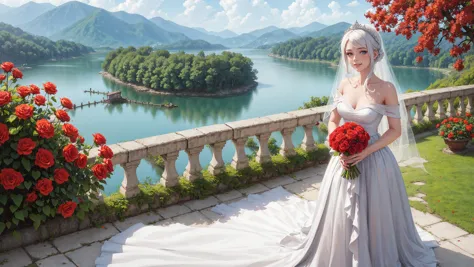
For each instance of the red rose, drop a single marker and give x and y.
(448, 126)
(10, 178)
(61, 176)
(450, 135)
(44, 186)
(469, 127)
(50, 88)
(62, 115)
(23, 91)
(31, 197)
(81, 161)
(466, 122)
(456, 120)
(460, 132)
(359, 147)
(70, 131)
(4, 133)
(468, 114)
(100, 171)
(2, 77)
(352, 150)
(67, 209)
(44, 158)
(40, 100)
(44, 128)
(7, 66)
(106, 152)
(343, 146)
(25, 146)
(437, 125)
(5, 98)
(34, 89)
(108, 163)
(24, 111)
(99, 139)
(66, 102)
(70, 153)
(441, 133)
(17, 74)
(81, 139)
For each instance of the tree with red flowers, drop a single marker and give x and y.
(436, 20)
(44, 168)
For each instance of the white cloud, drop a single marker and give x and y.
(147, 8)
(299, 13)
(336, 14)
(353, 3)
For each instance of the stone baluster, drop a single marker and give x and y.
(170, 176)
(240, 160)
(451, 111)
(462, 106)
(287, 147)
(129, 186)
(409, 117)
(440, 113)
(470, 104)
(429, 114)
(263, 154)
(418, 113)
(308, 140)
(217, 164)
(193, 169)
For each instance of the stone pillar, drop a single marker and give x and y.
(287, 147)
(429, 114)
(451, 111)
(129, 186)
(418, 113)
(470, 104)
(440, 114)
(240, 160)
(217, 164)
(462, 106)
(193, 169)
(263, 154)
(170, 176)
(308, 140)
(409, 117)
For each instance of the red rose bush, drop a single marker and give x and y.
(44, 168)
(349, 139)
(457, 127)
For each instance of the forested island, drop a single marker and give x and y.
(20, 47)
(400, 51)
(161, 72)
(191, 45)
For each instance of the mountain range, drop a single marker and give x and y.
(96, 27)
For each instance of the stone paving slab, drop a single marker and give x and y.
(424, 219)
(57, 260)
(85, 256)
(310, 195)
(77, 239)
(14, 258)
(41, 250)
(192, 219)
(254, 189)
(200, 204)
(306, 173)
(211, 215)
(314, 181)
(450, 255)
(300, 187)
(233, 194)
(145, 218)
(282, 180)
(466, 243)
(173, 211)
(445, 230)
(164, 222)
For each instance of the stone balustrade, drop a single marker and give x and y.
(129, 154)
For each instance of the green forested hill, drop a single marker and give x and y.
(20, 47)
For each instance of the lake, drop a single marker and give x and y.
(283, 86)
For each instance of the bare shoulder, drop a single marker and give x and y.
(342, 84)
(390, 93)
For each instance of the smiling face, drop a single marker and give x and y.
(357, 56)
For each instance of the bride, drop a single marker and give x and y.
(364, 222)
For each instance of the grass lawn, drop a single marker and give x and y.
(449, 183)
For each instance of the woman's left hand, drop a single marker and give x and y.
(356, 158)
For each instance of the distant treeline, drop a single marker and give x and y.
(161, 70)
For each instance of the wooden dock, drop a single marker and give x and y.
(115, 97)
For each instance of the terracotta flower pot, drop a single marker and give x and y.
(456, 145)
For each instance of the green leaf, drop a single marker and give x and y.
(2, 227)
(54, 202)
(1, 211)
(26, 163)
(39, 203)
(54, 99)
(36, 224)
(12, 118)
(35, 217)
(13, 208)
(16, 235)
(27, 184)
(15, 221)
(17, 199)
(46, 210)
(7, 161)
(3, 199)
(35, 133)
(15, 130)
(64, 191)
(8, 224)
(19, 215)
(80, 215)
(36, 174)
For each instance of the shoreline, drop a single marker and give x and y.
(445, 71)
(144, 89)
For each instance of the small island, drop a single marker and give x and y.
(161, 72)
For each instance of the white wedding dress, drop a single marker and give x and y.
(364, 222)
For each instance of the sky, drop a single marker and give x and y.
(236, 15)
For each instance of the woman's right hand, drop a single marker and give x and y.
(343, 159)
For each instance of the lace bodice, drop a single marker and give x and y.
(368, 116)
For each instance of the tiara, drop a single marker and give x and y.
(372, 32)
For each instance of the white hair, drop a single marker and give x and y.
(361, 38)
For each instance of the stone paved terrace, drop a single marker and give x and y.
(81, 248)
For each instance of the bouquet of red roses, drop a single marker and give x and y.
(349, 139)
